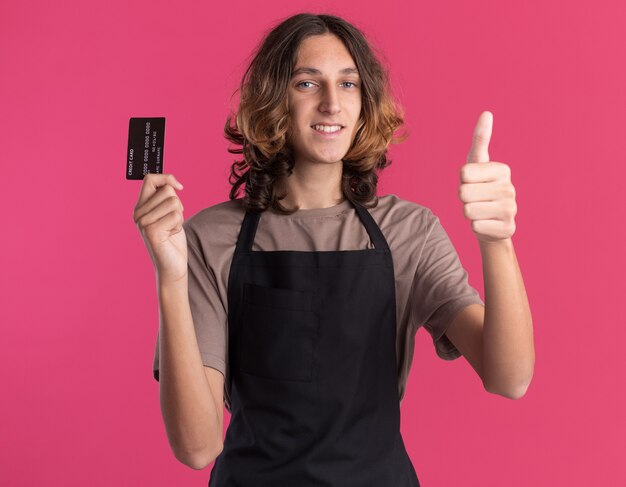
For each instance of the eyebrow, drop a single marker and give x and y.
(308, 70)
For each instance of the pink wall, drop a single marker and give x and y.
(79, 308)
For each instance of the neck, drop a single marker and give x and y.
(313, 186)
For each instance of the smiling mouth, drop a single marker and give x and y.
(327, 129)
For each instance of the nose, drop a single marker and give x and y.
(329, 102)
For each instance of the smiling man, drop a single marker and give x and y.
(303, 297)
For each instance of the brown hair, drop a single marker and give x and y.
(262, 120)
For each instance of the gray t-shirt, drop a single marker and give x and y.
(431, 284)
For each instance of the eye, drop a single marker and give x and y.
(351, 83)
(303, 82)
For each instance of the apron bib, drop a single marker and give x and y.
(312, 357)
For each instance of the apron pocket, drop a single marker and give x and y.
(278, 333)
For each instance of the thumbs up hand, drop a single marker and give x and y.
(486, 189)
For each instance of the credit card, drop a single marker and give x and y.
(145, 147)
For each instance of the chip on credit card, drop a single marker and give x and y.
(145, 147)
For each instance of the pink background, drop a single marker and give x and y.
(79, 307)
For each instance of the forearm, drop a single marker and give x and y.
(508, 349)
(187, 405)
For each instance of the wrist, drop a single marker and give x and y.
(172, 286)
(502, 243)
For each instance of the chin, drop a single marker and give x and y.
(331, 158)
(334, 160)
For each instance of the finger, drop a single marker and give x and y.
(483, 173)
(476, 192)
(165, 208)
(480, 140)
(164, 227)
(484, 210)
(152, 182)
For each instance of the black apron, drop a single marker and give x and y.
(312, 357)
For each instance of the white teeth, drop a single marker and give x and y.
(327, 128)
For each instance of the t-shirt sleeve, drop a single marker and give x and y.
(440, 289)
(208, 309)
